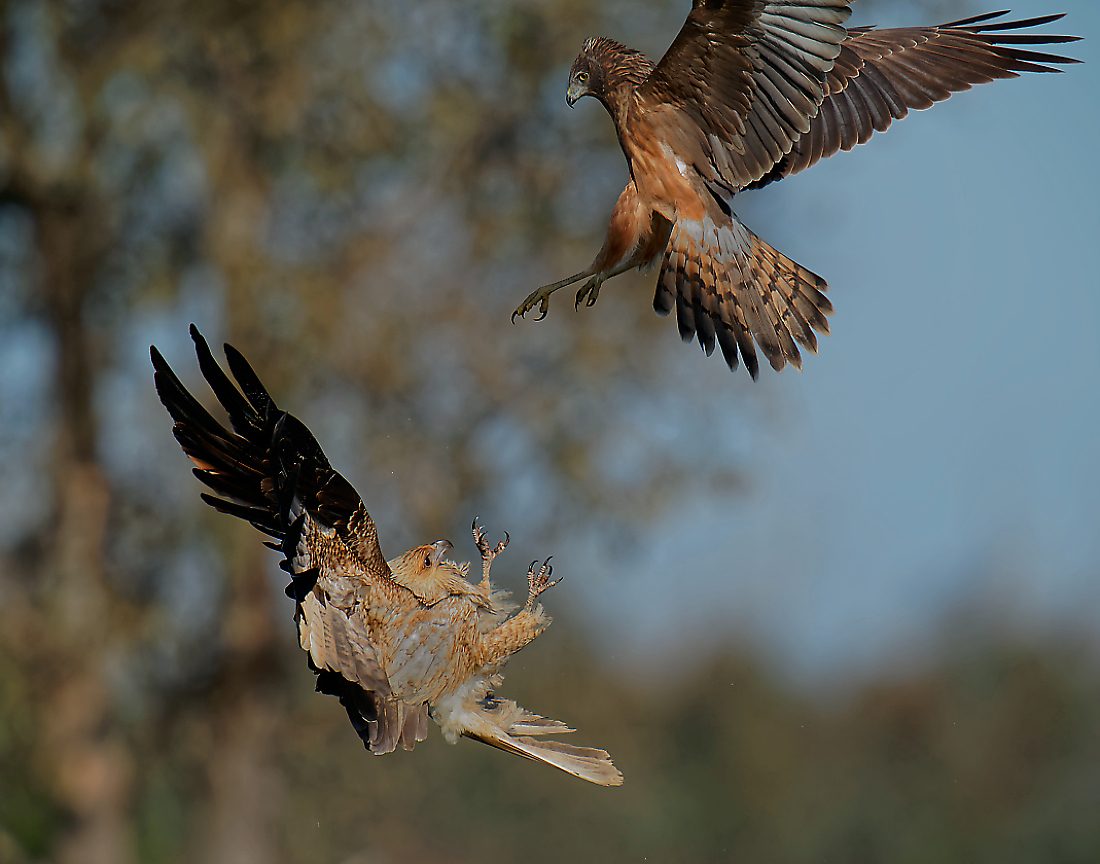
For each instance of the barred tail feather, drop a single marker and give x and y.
(732, 289)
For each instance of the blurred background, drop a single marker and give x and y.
(845, 615)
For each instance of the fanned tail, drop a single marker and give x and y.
(503, 724)
(732, 289)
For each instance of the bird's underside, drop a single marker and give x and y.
(750, 93)
(397, 642)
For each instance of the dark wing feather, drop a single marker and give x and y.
(747, 76)
(270, 471)
(268, 461)
(882, 75)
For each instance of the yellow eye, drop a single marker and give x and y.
(582, 77)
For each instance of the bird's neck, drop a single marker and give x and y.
(622, 71)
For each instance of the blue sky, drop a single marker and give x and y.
(942, 451)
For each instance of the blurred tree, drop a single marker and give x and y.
(358, 194)
(352, 189)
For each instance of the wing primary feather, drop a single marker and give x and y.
(251, 385)
(241, 415)
(912, 68)
(978, 19)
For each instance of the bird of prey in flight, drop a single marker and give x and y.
(395, 641)
(750, 92)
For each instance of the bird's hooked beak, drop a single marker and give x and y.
(440, 548)
(576, 91)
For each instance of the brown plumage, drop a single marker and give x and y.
(751, 92)
(395, 641)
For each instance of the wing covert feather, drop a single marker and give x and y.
(747, 76)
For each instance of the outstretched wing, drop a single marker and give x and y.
(742, 80)
(882, 75)
(270, 471)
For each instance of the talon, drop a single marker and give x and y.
(483, 546)
(541, 297)
(589, 293)
(539, 582)
(537, 297)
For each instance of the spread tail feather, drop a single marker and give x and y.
(732, 289)
(503, 724)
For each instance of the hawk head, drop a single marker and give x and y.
(426, 572)
(606, 69)
(585, 79)
(423, 562)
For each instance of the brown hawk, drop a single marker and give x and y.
(395, 641)
(751, 92)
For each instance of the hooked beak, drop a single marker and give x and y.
(575, 92)
(441, 547)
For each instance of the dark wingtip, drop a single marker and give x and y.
(161, 372)
(202, 347)
(752, 364)
(197, 337)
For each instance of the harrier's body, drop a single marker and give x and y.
(397, 642)
(751, 92)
